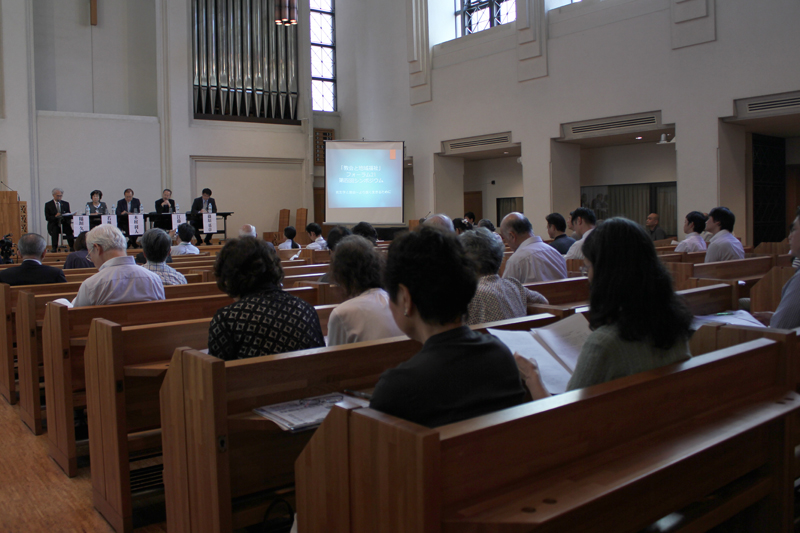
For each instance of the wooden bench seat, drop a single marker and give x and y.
(685, 274)
(618, 456)
(205, 409)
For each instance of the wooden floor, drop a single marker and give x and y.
(35, 495)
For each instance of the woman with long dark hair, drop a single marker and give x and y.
(638, 321)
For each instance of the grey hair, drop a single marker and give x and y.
(483, 250)
(441, 222)
(250, 232)
(58, 189)
(31, 245)
(156, 245)
(107, 236)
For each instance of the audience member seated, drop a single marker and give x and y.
(290, 233)
(723, 245)
(787, 315)
(96, 206)
(459, 373)
(264, 319)
(248, 230)
(315, 234)
(532, 260)
(440, 221)
(693, 225)
(366, 230)
(32, 248)
(56, 224)
(334, 236)
(156, 247)
(638, 321)
(556, 229)
(495, 298)
(460, 225)
(653, 229)
(80, 257)
(486, 223)
(120, 279)
(583, 221)
(185, 247)
(365, 316)
(469, 216)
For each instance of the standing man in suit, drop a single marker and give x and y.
(165, 205)
(127, 206)
(32, 248)
(53, 211)
(204, 204)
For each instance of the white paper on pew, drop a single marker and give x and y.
(734, 318)
(554, 376)
(302, 414)
(566, 338)
(63, 301)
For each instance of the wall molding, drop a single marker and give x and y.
(419, 51)
(531, 40)
(693, 22)
(194, 159)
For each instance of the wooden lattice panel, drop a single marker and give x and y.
(320, 136)
(23, 217)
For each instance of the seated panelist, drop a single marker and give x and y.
(204, 204)
(165, 205)
(128, 206)
(96, 206)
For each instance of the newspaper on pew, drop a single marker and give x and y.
(299, 415)
(733, 318)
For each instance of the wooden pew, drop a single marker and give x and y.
(63, 341)
(125, 419)
(695, 443)
(209, 429)
(306, 269)
(741, 269)
(8, 330)
(30, 318)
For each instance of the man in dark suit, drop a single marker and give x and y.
(204, 204)
(127, 206)
(165, 205)
(53, 211)
(32, 248)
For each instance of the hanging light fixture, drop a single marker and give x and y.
(286, 12)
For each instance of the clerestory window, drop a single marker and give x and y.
(473, 16)
(323, 56)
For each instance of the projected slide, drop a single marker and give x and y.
(364, 181)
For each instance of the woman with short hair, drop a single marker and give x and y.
(356, 267)
(496, 298)
(264, 319)
(458, 373)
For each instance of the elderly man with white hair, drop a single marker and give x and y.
(120, 279)
(532, 260)
(440, 221)
(248, 230)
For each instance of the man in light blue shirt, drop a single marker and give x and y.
(155, 246)
(120, 279)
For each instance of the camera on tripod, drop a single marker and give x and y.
(6, 249)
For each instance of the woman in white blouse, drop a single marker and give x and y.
(356, 267)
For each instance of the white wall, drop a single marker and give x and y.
(270, 186)
(507, 176)
(109, 68)
(606, 59)
(627, 164)
(83, 152)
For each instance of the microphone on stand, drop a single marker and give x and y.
(9, 188)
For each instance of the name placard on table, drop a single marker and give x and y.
(136, 224)
(80, 223)
(178, 219)
(209, 223)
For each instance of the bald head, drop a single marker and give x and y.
(515, 229)
(442, 222)
(652, 220)
(248, 230)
